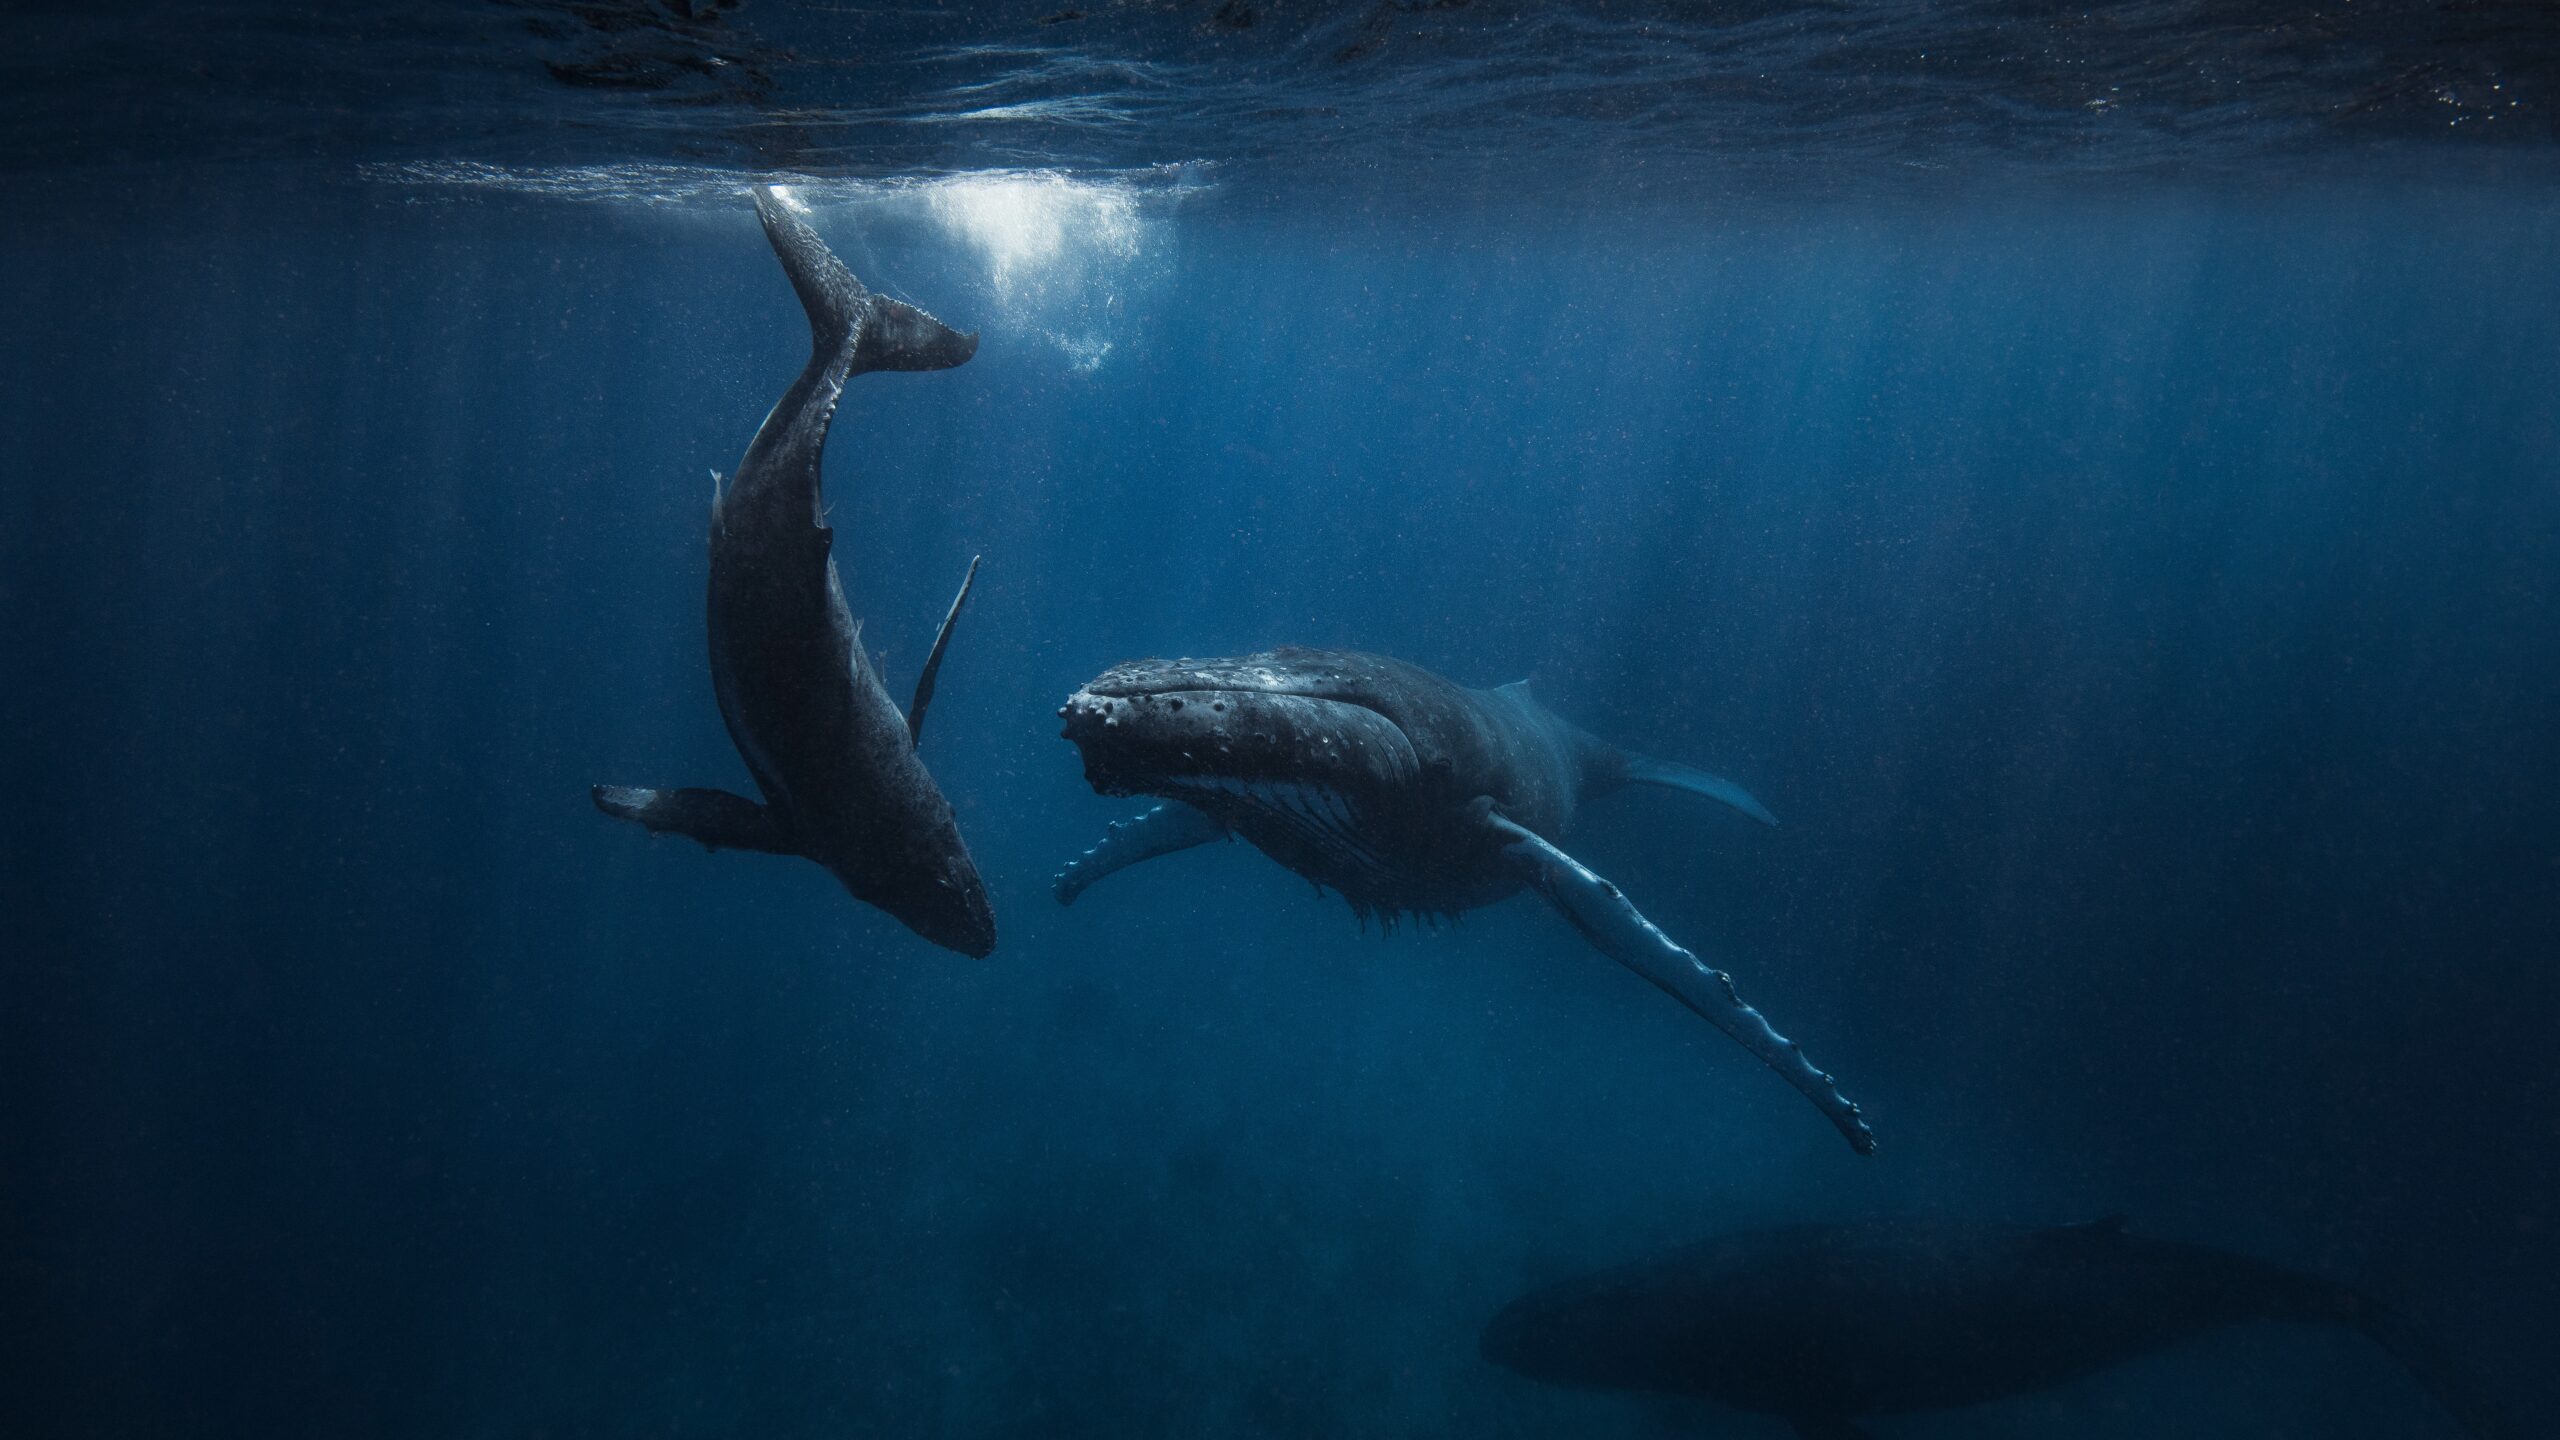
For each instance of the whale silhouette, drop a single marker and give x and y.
(1407, 793)
(835, 761)
(1825, 1324)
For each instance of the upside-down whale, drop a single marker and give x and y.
(835, 761)
(1404, 791)
(1824, 1324)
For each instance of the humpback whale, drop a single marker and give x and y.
(1824, 1324)
(1405, 792)
(833, 758)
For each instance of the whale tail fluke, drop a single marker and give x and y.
(898, 336)
(1672, 775)
(883, 334)
(836, 302)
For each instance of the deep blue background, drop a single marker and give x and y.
(2141, 608)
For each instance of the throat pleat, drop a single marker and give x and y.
(1316, 816)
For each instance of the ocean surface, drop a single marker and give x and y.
(2094, 472)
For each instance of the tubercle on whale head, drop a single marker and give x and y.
(1169, 734)
(1133, 743)
(1316, 673)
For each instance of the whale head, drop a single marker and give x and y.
(1245, 733)
(945, 901)
(1301, 752)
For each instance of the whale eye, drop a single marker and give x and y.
(1174, 703)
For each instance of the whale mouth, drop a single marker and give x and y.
(1283, 754)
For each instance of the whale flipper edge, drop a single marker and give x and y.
(1167, 828)
(1613, 925)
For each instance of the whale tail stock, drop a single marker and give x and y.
(883, 334)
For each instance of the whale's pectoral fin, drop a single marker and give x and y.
(720, 820)
(1169, 827)
(933, 661)
(1672, 775)
(1825, 1427)
(1613, 925)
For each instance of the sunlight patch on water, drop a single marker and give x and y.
(1031, 227)
(1059, 252)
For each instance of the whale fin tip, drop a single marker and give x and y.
(1617, 929)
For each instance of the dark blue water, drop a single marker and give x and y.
(2138, 594)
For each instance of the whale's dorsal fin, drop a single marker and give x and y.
(1517, 690)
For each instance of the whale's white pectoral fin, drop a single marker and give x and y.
(1167, 828)
(1612, 924)
(716, 818)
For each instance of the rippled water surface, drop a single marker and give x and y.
(1398, 95)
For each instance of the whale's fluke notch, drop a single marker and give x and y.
(1167, 828)
(1611, 922)
(715, 818)
(1672, 775)
(933, 662)
(883, 334)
